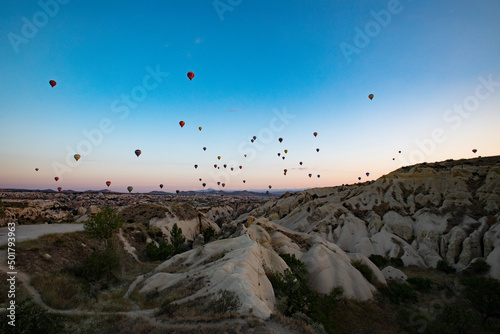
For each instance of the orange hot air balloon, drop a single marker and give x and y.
(199, 128)
(138, 152)
(36, 169)
(77, 157)
(130, 188)
(56, 178)
(286, 151)
(285, 170)
(245, 155)
(315, 134)
(280, 140)
(215, 166)
(190, 75)
(218, 157)
(52, 83)
(108, 183)
(371, 96)
(161, 186)
(59, 188)
(182, 123)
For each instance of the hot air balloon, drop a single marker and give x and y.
(52, 83)
(474, 151)
(77, 157)
(280, 140)
(279, 154)
(36, 169)
(241, 167)
(225, 166)
(218, 157)
(300, 163)
(318, 176)
(359, 178)
(310, 175)
(56, 178)
(204, 185)
(182, 123)
(130, 188)
(108, 183)
(393, 158)
(399, 151)
(218, 183)
(223, 184)
(190, 75)
(200, 179)
(267, 192)
(59, 188)
(270, 186)
(177, 191)
(254, 138)
(367, 174)
(232, 168)
(195, 166)
(244, 181)
(371, 96)
(215, 165)
(161, 185)
(315, 134)
(245, 155)
(204, 149)
(138, 152)
(199, 128)
(286, 151)
(283, 158)
(317, 150)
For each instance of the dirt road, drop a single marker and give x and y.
(28, 232)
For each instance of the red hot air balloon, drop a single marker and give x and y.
(138, 152)
(59, 188)
(315, 134)
(36, 169)
(215, 166)
(223, 184)
(279, 154)
(474, 151)
(241, 167)
(56, 178)
(52, 83)
(108, 183)
(190, 75)
(182, 123)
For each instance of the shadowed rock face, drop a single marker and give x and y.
(424, 213)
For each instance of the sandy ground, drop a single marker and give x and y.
(28, 232)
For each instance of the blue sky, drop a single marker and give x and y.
(270, 69)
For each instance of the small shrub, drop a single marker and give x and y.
(396, 262)
(478, 267)
(399, 293)
(208, 234)
(379, 260)
(483, 295)
(226, 301)
(364, 270)
(99, 265)
(166, 308)
(161, 252)
(420, 283)
(103, 224)
(443, 266)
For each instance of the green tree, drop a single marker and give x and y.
(177, 239)
(483, 295)
(103, 224)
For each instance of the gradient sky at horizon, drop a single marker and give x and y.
(255, 62)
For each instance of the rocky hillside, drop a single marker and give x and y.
(422, 214)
